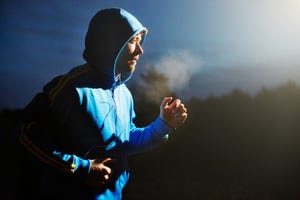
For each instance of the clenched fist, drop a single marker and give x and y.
(173, 113)
(100, 172)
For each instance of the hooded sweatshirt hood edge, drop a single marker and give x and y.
(143, 29)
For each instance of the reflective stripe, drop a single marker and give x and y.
(62, 82)
(41, 155)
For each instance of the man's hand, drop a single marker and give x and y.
(101, 172)
(173, 113)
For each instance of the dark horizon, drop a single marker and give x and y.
(233, 147)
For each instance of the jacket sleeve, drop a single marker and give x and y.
(149, 137)
(67, 163)
(38, 136)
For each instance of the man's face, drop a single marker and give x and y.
(130, 55)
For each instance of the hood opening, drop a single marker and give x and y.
(126, 76)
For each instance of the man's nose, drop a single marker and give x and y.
(139, 49)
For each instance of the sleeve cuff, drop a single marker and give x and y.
(161, 127)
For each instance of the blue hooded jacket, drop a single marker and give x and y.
(87, 114)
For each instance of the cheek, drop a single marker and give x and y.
(130, 49)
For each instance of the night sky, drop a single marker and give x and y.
(204, 47)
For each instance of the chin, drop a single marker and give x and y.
(131, 68)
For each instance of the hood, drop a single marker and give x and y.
(108, 33)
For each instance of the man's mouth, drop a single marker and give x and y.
(133, 60)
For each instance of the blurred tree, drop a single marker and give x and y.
(232, 147)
